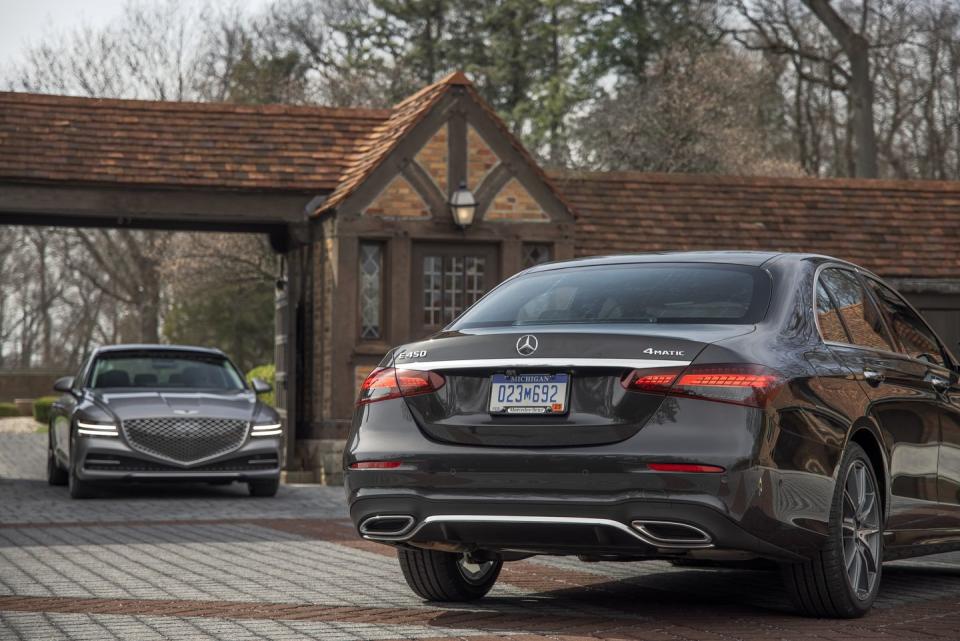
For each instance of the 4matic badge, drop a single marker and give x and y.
(663, 352)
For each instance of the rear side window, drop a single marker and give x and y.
(860, 316)
(828, 318)
(917, 339)
(634, 293)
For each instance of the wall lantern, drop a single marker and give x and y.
(463, 206)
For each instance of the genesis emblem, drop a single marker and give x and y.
(186, 412)
(527, 344)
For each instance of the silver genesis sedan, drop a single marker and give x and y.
(162, 413)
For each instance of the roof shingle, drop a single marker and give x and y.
(137, 142)
(908, 229)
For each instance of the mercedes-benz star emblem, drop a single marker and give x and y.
(527, 344)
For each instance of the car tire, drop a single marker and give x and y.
(263, 488)
(56, 475)
(843, 578)
(445, 576)
(79, 489)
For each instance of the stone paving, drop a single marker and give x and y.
(201, 562)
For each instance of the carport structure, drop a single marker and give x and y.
(133, 164)
(356, 203)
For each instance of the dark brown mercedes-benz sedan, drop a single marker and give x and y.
(698, 407)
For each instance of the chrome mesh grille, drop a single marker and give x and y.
(185, 440)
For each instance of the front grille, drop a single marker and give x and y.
(185, 440)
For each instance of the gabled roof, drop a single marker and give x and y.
(137, 142)
(377, 145)
(406, 115)
(897, 228)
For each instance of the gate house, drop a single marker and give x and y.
(357, 203)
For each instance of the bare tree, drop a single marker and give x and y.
(859, 80)
(709, 112)
(872, 83)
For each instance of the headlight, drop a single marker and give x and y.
(266, 429)
(96, 429)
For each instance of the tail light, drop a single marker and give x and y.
(387, 382)
(751, 385)
(375, 465)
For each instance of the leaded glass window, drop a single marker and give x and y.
(536, 253)
(450, 285)
(371, 290)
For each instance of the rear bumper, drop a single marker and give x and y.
(618, 528)
(112, 460)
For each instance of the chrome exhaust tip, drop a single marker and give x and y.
(386, 526)
(672, 534)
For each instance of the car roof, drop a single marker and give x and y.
(747, 258)
(132, 347)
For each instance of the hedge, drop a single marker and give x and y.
(268, 374)
(8, 409)
(41, 409)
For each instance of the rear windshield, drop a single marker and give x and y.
(164, 369)
(638, 293)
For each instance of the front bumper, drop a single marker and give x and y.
(110, 459)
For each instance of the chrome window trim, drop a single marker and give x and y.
(868, 274)
(857, 273)
(520, 361)
(550, 520)
(940, 344)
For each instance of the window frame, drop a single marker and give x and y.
(948, 362)
(855, 272)
(384, 329)
(531, 244)
(491, 252)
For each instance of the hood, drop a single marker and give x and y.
(129, 404)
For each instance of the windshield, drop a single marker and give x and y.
(637, 293)
(165, 369)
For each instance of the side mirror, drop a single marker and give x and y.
(260, 386)
(64, 384)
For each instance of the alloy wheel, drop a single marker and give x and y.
(861, 530)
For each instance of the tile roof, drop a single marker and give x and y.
(896, 228)
(152, 143)
(369, 153)
(371, 150)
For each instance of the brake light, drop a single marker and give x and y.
(387, 382)
(741, 384)
(660, 380)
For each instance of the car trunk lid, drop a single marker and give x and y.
(595, 359)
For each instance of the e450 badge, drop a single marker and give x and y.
(411, 354)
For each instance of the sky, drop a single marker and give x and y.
(26, 22)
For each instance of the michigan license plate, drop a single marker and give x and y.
(529, 394)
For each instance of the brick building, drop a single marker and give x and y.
(357, 203)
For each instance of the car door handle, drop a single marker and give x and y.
(873, 377)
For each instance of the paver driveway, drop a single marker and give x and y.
(202, 562)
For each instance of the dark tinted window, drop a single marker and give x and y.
(916, 338)
(859, 314)
(637, 293)
(164, 369)
(831, 327)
